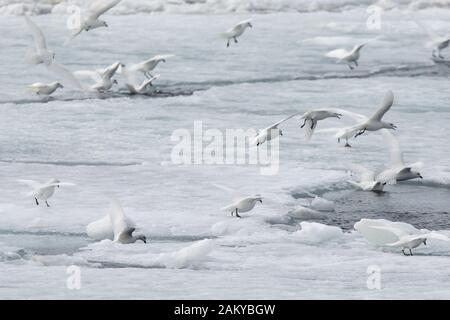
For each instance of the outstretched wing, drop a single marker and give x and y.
(118, 219)
(31, 183)
(363, 173)
(64, 75)
(395, 153)
(276, 124)
(99, 7)
(386, 105)
(38, 35)
(110, 70)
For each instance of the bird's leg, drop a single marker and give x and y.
(403, 250)
(347, 145)
(47, 203)
(232, 212)
(228, 43)
(356, 62)
(235, 40)
(37, 202)
(237, 214)
(350, 66)
(410, 252)
(360, 132)
(312, 124)
(304, 123)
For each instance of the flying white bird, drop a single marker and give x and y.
(410, 240)
(102, 77)
(123, 231)
(398, 171)
(243, 205)
(143, 87)
(41, 54)
(45, 89)
(90, 19)
(43, 191)
(271, 132)
(437, 42)
(236, 31)
(367, 180)
(310, 119)
(349, 57)
(374, 123)
(145, 66)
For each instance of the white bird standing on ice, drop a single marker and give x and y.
(410, 240)
(367, 180)
(90, 19)
(41, 54)
(271, 132)
(398, 171)
(145, 66)
(123, 231)
(310, 119)
(143, 87)
(243, 205)
(237, 31)
(45, 89)
(102, 77)
(349, 57)
(44, 191)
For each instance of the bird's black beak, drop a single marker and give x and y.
(163, 60)
(250, 25)
(106, 25)
(420, 176)
(58, 185)
(260, 200)
(425, 242)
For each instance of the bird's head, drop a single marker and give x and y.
(392, 126)
(338, 115)
(142, 238)
(54, 181)
(417, 174)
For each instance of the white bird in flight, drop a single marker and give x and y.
(410, 240)
(41, 54)
(44, 191)
(349, 57)
(271, 132)
(243, 205)
(143, 87)
(398, 171)
(102, 77)
(90, 19)
(236, 31)
(45, 89)
(123, 231)
(375, 122)
(367, 181)
(437, 42)
(310, 119)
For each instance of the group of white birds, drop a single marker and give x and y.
(98, 80)
(118, 227)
